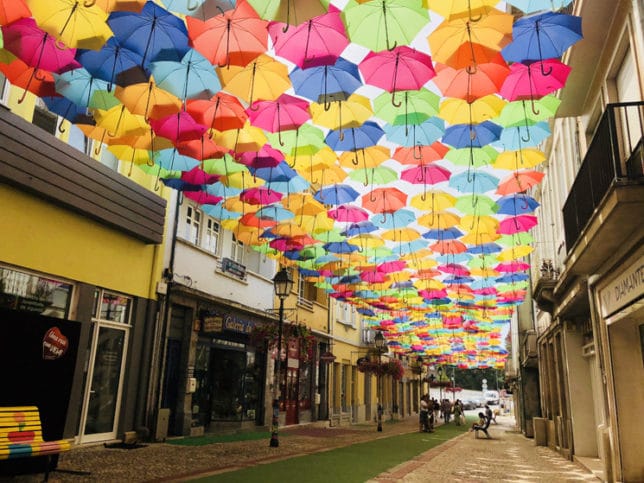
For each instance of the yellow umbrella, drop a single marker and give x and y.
(264, 78)
(315, 223)
(248, 138)
(118, 121)
(326, 176)
(303, 204)
(75, 23)
(365, 158)
(459, 111)
(422, 264)
(235, 204)
(515, 252)
(148, 100)
(401, 234)
(493, 30)
(429, 284)
(242, 180)
(477, 238)
(366, 241)
(484, 272)
(449, 9)
(288, 229)
(479, 224)
(352, 112)
(433, 201)
(439, 219)
(324, 157)
(523, 158)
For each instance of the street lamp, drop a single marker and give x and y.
(283, 283)
(440, 387)
(381, 347)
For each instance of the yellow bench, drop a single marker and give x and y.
(21, 436)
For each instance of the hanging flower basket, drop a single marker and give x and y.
(440, 384)
(290, 332)
(393, 368)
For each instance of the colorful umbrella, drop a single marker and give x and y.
(221, 112)
(12, 10)
(148, 100)
(283, 114)
(327, 83)
(519, 182)
(264, 78)
(193, 77)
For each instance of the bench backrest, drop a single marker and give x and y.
(20, 425)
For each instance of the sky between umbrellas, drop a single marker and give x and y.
(384, 148)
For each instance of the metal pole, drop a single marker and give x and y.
(379, 381)
(274, 443)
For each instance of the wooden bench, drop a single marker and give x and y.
(21, 436)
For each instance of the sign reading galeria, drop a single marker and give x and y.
(627, 287)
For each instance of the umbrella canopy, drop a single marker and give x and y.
(264, 78)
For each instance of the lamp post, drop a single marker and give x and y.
(440, 387)
(381, 347)
(283, 283)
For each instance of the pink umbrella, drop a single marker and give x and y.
(425, 174)
(260, 196)
(199, 176)
(283, 114)
(373, 277)
(320, 41)
(454, 269)
(36, 48)
(517, 224)
(178, 127)
(528, 82)
(393, 266)
(433, 294)
(347, 213)
(402, 68)
(266, 157)
(513, 266)
(202, 197)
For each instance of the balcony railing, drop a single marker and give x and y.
(615, 153)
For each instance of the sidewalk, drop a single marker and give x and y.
(508, 456)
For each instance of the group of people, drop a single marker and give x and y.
(431, 409)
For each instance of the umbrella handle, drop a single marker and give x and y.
(384, 16)
(192, 7)
(525, 140)
(533, 106)
(89, 3)
(393, 99)
(420, 151)
(60, 125)
(543, 71)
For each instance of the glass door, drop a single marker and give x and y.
(104, 376)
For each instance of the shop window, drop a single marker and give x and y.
(25, 291)
(112, 307)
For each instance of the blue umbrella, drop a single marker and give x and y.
(79, 86)
(219, 212)
(396, 219)
(293, 185)
(338, 194)
(530, 6)
(516, 138)
(274, 212)
(184, 7)
(472, 135)
(340, 247)
(220, 189)
(542, 36)
(281, 172)
(327, 83)
(453, 258)
(513, 277)
(422, 134)
(359, 228)
(407, 248)
(516, 204)
(473, 181)
(68, 110)
(451, 233)
(154, 33)
(355, 138)
(171, 159)
(193, 77)
(111, 60)
(484, 249)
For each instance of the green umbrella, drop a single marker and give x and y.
(384, 24)
(307, 140)
(476, 157)
(223, 166)
(293, 12)
(476, 204)
(523, 238)
(375, 175)
(506, 287)
(522, 113)
(414, 108)
(330, 236)
(483, 261)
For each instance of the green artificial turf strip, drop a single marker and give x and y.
(356, 463)
(220, 438)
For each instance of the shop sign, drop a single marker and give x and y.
(213, 323)
(235, 324)
(233, 268)
(627, 287)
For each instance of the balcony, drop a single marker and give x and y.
(545, 286)
(608, 191)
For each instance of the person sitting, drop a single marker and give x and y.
(481, 425)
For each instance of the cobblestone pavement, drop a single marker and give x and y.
(507, 457)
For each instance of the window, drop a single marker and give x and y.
(192, 224)
(107, 158)
(4, 88)
(306, 290)
(345, 314)
(211, 235)
(24, 291)
(78, 140)
(237, 251)
(112, 307)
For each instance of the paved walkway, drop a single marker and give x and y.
(507, 457)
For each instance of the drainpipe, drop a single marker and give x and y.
(164, 323)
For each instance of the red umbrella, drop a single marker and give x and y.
(320, 41)
(529, 82)
(37, 48)
(12, 10)
(199, 176)
(463, 83)
(202, 148)
(373, 277)
(32, 80)
(221, 112)
(251, 220)
(266, 157)
(393, 266)
(512, 266)
(283, 114)
(384, 200)
(235, 38)
(402, 68)
(260, 196)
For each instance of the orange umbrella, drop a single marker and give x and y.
(417, 155)
(471, 84)
(121, 5)
(237, 37)
(12, 10)
(221, 112)
(384, 200)
(519, 182)
(36, 81)
(148, 100)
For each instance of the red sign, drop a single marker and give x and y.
(54, 344)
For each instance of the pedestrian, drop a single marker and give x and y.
(489, 414)
(424, 414)
(447, 410)
(437, 407)
(458, 412)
